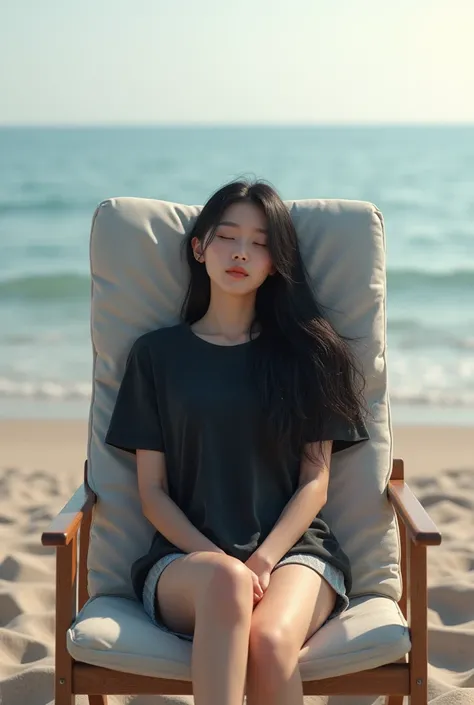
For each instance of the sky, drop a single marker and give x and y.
(65, 62)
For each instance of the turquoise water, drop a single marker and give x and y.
(51, 180)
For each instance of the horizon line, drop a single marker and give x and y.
(243, 125)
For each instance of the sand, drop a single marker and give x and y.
(41, 465)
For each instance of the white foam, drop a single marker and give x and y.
(44, 390)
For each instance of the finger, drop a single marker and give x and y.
(257, 587)
(255, 579)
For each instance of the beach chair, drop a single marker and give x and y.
(105, 643)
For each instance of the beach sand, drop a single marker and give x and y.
(41, 464)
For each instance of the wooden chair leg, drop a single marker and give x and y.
(418, 625)
(97, 700)
(66, 606)
(394, 700)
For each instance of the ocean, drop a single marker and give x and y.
(51, 179)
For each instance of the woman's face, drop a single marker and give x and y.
(240, 242)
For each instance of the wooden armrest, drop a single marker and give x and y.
(65, 526)
(420, 526)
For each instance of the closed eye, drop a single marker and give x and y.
(224, 237)
(261, 244)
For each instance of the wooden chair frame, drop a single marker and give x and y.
(408, 676)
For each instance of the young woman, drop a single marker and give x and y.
(234, 414)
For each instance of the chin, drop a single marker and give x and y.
(237, 286)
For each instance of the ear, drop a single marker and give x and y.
(197, 249)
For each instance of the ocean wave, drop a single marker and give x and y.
(434, 339)
(45, 288)
(73, 391)
(26, 339)
(46, 205)
(434, 397)
(44, 389)
(415, 280)
(60, 285)
(414, 334)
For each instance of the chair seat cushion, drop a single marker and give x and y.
(114, 632)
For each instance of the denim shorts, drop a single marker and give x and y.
(330, 573)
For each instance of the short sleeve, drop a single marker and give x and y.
(135, 422)
(341, 432)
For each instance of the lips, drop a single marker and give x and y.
(237, 270)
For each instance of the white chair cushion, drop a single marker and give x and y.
(115, 633)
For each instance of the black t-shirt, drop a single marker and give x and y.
(194, 401)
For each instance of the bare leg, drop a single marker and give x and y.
(296, 604)
(211, 595)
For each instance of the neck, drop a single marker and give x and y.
(228, 316)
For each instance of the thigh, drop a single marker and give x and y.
(295, 605)
(183, 582)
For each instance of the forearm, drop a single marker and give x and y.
(294, 520)
(170, 521)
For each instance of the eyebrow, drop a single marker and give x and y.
(231, 224)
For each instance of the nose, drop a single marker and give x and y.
(240, 255)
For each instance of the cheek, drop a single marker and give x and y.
(217, 249)
(214, 258)
(265, 262)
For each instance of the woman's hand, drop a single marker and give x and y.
(262, 569)
(257, 589)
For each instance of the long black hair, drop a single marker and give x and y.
(304, 370)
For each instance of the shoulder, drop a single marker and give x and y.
(159, 341)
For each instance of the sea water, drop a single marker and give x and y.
(51, 179)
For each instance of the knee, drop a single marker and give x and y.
(273, 651)
(229, 588)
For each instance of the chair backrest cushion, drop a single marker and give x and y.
(139, 280)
